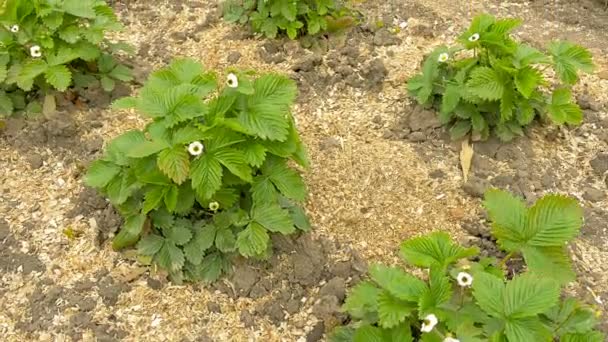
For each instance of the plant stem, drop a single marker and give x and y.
(503, 262)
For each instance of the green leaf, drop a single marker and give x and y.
(153, 198)
(273, 218)
(206, 176)
(170, 257)
(553, 221)
(591, 336)
(528, 295)
(392, 311)
(255, 154)
(562, 109)
(526, 329)
(362, 301)
(162, 219)
(264, 114)
(489, 293)
(121, 73)
(253, 240)
(150, 244)
(175, 163)
(568, 59)
(368, 333)
(435, 249)
(486, 84)
(118, 148)
(526, 81)
(129, 233)
(147, 148)
(451, 98)
(460, 129)
(525, 113)
(31, 70)
(59, 77)
(100, 173)
(121, 187)
(234, 161)
(400, 284)
(550, 262)
(507, 104)
(178, 234)
(225, 240)
(186, 135)
(107, 83)
(438, 292)
(287, 180)
(80, 8)
(211, 267)
(6, 105)
(71, 34)
(526, 55)
(53, 20)
(508, 215)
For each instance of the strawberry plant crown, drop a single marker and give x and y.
(52, 44)
(492, 83)
(208, 178)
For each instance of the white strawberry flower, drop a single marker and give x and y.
(15, 28)
(474, 37)
(464, 279)
(450, 339)
(443, 57)
(196, 148)
(36, 51)
(232, 80)
(429, 322)
(214, 206)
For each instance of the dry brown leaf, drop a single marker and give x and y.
(466, 157)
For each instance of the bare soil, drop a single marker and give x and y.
(383, 170)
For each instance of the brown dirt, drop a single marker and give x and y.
(381, 172)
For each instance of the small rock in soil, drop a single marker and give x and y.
(214, 307)
(384, 37)
(308, 63)
(293, 306)
(154, 284)
(334, 287)
(416, 137)
(247, 319)
(585, 101)
(234, 57)
(437, 174)
(341, 269)
(476, 187)
(274, 311)
(593, 194)
(330, 143)
(316, 334)
(599, 164)
(261, 288)
(475, 228)
(95, 144)
(326, 307)
(488, 147)
(35, 160)
(110, 290)
(422, 30)
(421, 119)
(243, 279)
(375, 73)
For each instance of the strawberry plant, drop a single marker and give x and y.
(492, 83)
(464, 300)
(294, 17)
(208, 178)
(51, 44)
